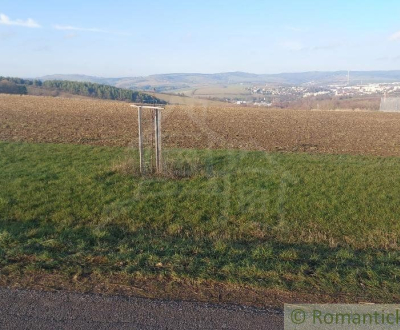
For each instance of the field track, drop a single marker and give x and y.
(83, 121)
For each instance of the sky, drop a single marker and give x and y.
(123, 38)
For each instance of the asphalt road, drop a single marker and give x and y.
(20, 309)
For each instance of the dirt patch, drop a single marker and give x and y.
(170, 288)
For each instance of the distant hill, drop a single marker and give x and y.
(81, 78)
(176, 81)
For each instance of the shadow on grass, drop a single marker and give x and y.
(34, 245)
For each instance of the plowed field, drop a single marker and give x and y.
(83, 121)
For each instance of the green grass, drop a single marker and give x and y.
(300, 222)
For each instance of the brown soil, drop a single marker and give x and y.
(61, 120)
(159, 287)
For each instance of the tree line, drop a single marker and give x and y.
(79, 88)
(9, 87)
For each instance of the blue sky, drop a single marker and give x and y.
(132, 38)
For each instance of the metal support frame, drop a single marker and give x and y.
(157, 134)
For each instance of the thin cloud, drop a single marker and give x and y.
(29, 23)
(94, 30)
(292, 45)
(395, 36)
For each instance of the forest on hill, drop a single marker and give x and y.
(11, 85)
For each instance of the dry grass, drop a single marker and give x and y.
(173, 168)
(163, 287)
(58, 120)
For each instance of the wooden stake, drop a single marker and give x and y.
(157, 137)
(160, 164)
(141, 159)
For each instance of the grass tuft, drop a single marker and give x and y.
(181, 167)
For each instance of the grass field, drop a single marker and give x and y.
(301, 223)
(221, 92)
(185, 100)
(230, 91)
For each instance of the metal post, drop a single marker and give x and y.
(160, 164)
(157, 136)
(141, 159)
